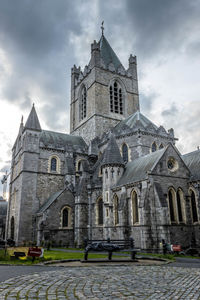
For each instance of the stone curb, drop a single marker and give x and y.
(117, 262)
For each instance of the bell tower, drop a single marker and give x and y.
(102, 94)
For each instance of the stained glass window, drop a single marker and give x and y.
(53, 164)
(179, 206)
(171, 207)
(100, 212)
(125, 152)
(135, 208)
(65, 217)
(194, 207)
(153, 147)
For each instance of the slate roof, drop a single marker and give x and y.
(111, 153)
(49, 201)
(134, 122)
(33, 121)
(137, 169)
(62, 140)
(107, 54)
(192, 161)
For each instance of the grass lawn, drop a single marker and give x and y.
(61, 255)
(54, 255)
(48, 256)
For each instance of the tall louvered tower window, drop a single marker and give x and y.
(116, 99)
(83, 104)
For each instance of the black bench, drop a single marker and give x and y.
(110, 246)
(18, 254)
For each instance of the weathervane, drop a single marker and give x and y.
(102, 28)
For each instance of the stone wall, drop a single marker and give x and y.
(49, 225)
(98, 103)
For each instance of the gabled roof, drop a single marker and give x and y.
(107, 54)
(111, 153)
(192, 161)
(134, 122)
(33, 121)
(138, 169)
(49, 201)
(62, 140)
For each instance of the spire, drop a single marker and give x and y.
(33, 121)
(102, 28)
(107, 54)
(21, 126)
(112, 155)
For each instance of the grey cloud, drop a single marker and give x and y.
(193, 49)
(9, 152)
(147, 102)
(152, 29)
(185, 121)
(162, 25)
(53, 117)
(35, 38)
(5, 168)
(37, 28)
(172, 111)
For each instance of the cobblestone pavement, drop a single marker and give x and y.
(119, 282)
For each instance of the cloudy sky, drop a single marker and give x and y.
(40, 40)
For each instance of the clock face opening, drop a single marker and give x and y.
(172, 164)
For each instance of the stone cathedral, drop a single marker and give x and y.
(116, 174)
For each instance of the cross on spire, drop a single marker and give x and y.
(102, 28)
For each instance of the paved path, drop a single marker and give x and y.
(186, 262)
(119, 282)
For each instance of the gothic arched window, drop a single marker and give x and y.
(153, 147)
(66, 217)
(100, 211)
(116, 210)
(53, 164)
(83, 103)
(179, 206)
(161, 146)
(79, 166)
(116, 99)
(125, 152)
(135, 214)
(194, 207)
(171, 206)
